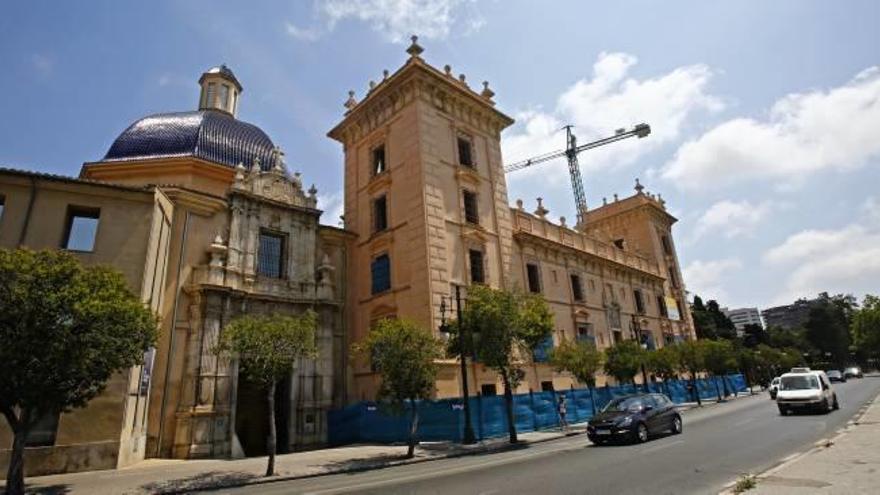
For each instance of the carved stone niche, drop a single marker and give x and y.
(274, 184)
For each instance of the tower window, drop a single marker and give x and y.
(381, 274)
(210, 95)
(379, 160)
(471, 215)
(81, 229)
(640, 303)
(577, 289)
(534, 278)
(224, 97)
(661, 304)
(380, 214)
(270, 256)
(478, 276)
(465, 154)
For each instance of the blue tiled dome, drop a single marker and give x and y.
(210, 135)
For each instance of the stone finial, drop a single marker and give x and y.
(313, 191)
(604, 201)
(487, 93)
(519, 204)
(448, 70)
(615, 198)
(461, 78)
(257, 166)
(562, 221)
(414, 49)
(639, 187)
(661, 200)
(372, 85)
(296, 179)
(278, 160)
(540, 210)
(384, 74)
(350, 102)
(239, 171)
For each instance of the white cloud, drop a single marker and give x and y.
(732, 218)
(396, 20)
(598, 105)
(833, 260)
(707, 278)
(804, 133)
(332, 205)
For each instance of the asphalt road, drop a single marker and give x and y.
(718, 444)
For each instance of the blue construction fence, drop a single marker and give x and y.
(441, 420)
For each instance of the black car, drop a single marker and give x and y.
(634, 418)
(836, 376)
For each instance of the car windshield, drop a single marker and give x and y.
(802, 382)
(833, 373)
(624, 404)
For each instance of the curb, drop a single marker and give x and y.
(819, 445)
(402, 462)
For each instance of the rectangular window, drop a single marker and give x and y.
(476, 259)
(378, 159)
(380, 214)
(585, 333)
(577, 290)
(667, 248)
(43, 433)
(210, 95)
(488, 390)
(662, 305)
(465, 156)
(614, 316)
(82, 226)
(381, 273)
(471, 215)
(534, 278)
(547, 386)
(672, 278)
(224, 97)
(640, 303)
(270, 262)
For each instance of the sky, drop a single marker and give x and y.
(765, 115)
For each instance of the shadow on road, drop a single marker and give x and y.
(201, 481)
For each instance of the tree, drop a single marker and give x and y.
(506, 325)
(754, 334)
(65, 329)
(866, 328)
(268, 346)
(747, 363)
(827, 328)
(405, 355)
(691, 358)
(582, 360)
(724, 328)
(623, 360)
(719, 359)
(663, 363)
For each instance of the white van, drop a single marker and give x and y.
(804, 388)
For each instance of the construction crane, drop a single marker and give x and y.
(571, 152)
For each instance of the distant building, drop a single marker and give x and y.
(788, 316)
(742, 317)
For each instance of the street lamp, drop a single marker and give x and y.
(469, 436)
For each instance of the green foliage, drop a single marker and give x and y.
(581, 359)
(64, 330)
(664, 362)
(269, 345)
(745, 483)
(719, 356)
(623, 360)
(827, 329)
(405, 356)
(691, 356)
(710, 322)
(866, 328)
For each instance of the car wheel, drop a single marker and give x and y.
(836, 404)
(676, 425)
(827, 407)
(783, 411)
(641, 433)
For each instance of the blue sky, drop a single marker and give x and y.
(766, 115)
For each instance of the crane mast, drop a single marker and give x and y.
(571, 152)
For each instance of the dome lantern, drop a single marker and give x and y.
(220, 90)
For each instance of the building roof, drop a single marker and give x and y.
(223, 71)
(73, 180)
(210, 135)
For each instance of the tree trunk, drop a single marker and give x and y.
(270, 441)
(413, 428)
(15, 473)
(695, 390)
(508, 405)
(592, 399)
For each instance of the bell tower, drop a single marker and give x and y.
(426, 194)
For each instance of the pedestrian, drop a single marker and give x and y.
(561, 409)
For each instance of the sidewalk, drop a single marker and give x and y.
(848, 464)
(175, 476)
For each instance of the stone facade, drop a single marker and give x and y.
(442, 186)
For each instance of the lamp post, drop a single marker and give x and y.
(469, 436)
(637, 337)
